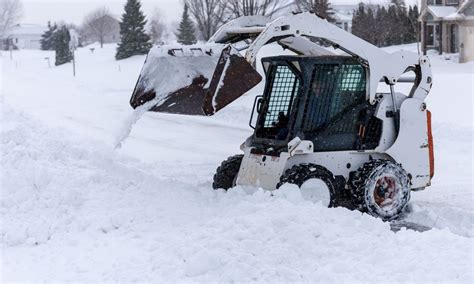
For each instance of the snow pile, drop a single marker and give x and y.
(75, 211)
(164, 72)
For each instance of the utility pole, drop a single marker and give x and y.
(73, 62)
(72, 47)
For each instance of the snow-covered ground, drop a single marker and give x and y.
(73, 208)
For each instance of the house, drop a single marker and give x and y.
(343, 20)
(448, 26)
(23, 36)
(343, 15)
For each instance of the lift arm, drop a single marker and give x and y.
(381, 64)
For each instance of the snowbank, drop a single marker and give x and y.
(73, 210)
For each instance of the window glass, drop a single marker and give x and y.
(284, 87)
(334, 89)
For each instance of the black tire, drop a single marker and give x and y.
(381, 188)
(226, 173)
(299, 174)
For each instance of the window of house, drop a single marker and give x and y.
(436, 2)
(452, 2)
(454, 41)
(433, 35)
(430, 35)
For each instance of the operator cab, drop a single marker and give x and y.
(322, 99)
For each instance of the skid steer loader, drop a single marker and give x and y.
(320, 117)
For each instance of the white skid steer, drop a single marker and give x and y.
(320, 117)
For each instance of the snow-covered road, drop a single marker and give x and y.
(75, 209)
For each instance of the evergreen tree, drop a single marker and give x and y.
(397, 13)
(186, 33)
(323, 9)
(383, 27)
(62, 39)
(413, 15)
(381, 18)
(359, 22)
(392, 27)
(415, 23)
(133, 38)
(371, 25)
(47, 38)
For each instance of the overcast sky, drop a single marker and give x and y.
(73, 11)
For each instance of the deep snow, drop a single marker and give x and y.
(75, 209)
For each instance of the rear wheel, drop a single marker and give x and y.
(226, 173)
(316, 183)
(381, 188)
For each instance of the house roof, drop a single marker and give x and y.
(441, 12)
(454, 17)
(448, 13)
(344, 9)
(342, 16)
(27, 29)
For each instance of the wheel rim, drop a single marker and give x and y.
(316, 190)
(386, 191)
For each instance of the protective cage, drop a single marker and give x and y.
(321, 99)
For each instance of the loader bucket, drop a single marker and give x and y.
(193, 80)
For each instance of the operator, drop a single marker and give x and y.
(282, 126)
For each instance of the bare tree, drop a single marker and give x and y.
(100, 25)
(208, 15)
(157, 27)
(11, 12)
(238, 8)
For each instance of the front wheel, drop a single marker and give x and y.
(316, 183)
(381, 188)
(226, 173)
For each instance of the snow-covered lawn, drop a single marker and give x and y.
(73, 208)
